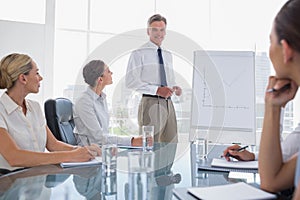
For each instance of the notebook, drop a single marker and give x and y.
(216, 162)
(235, 191)
(96, 161)
(215, 154)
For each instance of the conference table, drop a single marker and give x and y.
(175, 170)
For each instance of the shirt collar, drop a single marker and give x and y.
(152, 45)
(10, 105)
(94, 95)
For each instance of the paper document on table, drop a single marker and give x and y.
(96, 161)
(132, 147)
(129, 147)
(234, 164)
(235, 191)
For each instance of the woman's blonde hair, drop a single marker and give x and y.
(11, 66)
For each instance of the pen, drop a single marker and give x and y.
(87, 140)
(287, 86)
(238, 150)
(242, 148)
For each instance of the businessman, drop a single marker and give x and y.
(150, 72)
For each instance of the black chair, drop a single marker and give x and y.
(59, 117)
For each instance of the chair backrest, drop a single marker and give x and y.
(59, 117)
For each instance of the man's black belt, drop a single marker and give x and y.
(155, 96)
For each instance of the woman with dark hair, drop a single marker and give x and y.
(24, 135)
(91, 115)
(275, 174)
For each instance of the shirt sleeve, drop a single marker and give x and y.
(2, 122)
(122, 140)
(255, 155)
(290, 145)
(134, 73)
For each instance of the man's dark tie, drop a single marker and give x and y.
(162, 71)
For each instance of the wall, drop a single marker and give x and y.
(27, 38)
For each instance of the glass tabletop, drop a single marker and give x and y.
(175, 167)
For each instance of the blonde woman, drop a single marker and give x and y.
(24, 135)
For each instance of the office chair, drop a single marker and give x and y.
(59, 117)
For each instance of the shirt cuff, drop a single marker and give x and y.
(124, 140)
(255, 155)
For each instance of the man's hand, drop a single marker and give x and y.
(177, 90)
(165, 92)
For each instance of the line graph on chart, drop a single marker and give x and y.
(224, 90)
(229, 82)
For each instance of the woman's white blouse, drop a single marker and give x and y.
(28, 131)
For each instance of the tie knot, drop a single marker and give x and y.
(159, 49)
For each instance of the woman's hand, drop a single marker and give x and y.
(239, 155)
(278, 94)
(138, 141)
(86, 153)
(95, 149)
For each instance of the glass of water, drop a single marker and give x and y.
(148, 132)
(140, 166)
(109, 154)
(109, 185)
(201, 144)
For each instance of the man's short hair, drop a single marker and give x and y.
(156, 17)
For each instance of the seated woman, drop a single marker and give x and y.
(91, 115)
(275, 173)
(24, 134)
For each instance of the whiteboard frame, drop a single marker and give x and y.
(220, 133)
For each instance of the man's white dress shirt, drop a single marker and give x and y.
(143, 71)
